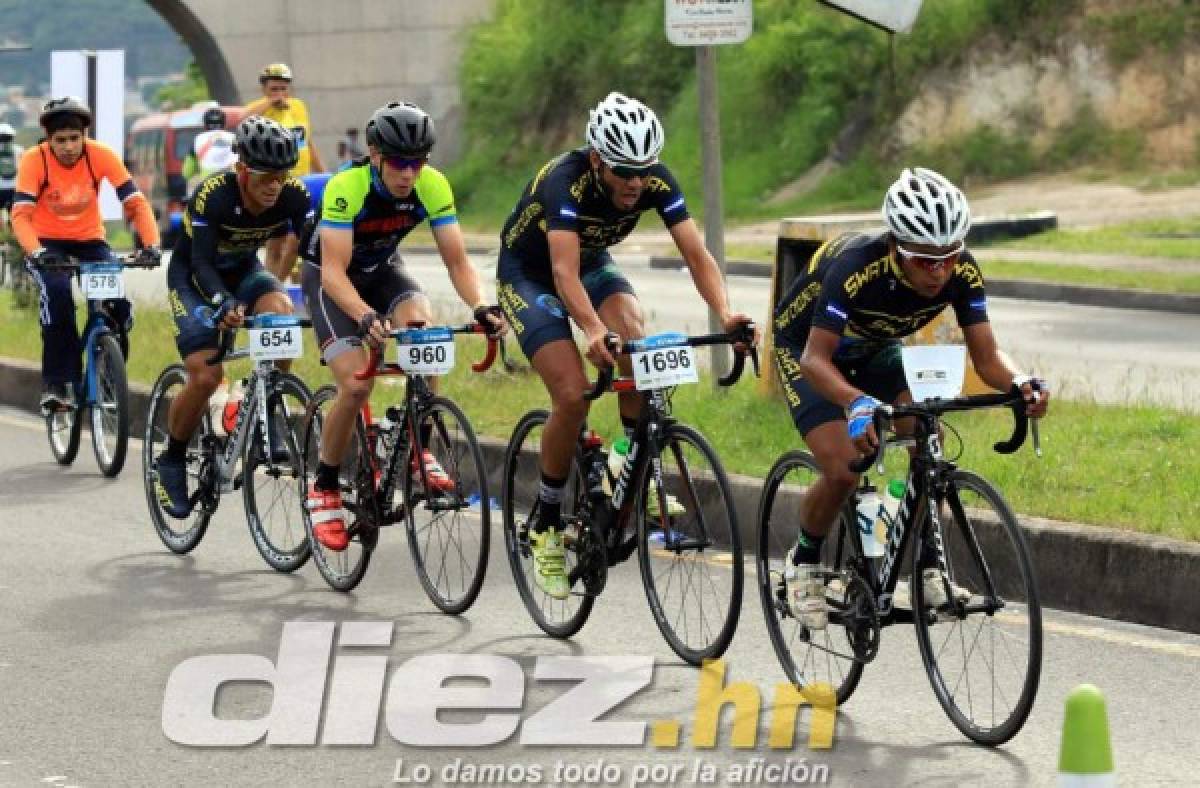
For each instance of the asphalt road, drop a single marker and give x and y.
(1112, 356)
(96, 614)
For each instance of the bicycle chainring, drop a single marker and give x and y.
(860, 617)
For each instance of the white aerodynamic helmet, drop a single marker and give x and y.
(624, 131)
(922, 207)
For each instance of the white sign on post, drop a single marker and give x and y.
(69, 77)
(894, 16)
(700, 23)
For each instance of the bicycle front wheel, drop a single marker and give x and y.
(449, 530)
(63, 428)
(343, 570)
(690, 550)
(560, 618)
(110, 411)
(809, 656)
(180, 536)
(983, 649)
(271, 492)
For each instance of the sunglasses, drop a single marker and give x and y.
(405, 162)
(273, 175)
(628, 173)
(931, 262)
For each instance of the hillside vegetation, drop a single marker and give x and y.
(818, 111)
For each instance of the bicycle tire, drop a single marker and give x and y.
(777, 528)
(153, 442)
(343, 570)
(284, 549)
(557, 618)
(110, 411)
(716, 557)
(63, 429)
(973, 546)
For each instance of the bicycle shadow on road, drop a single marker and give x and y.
(49, 480)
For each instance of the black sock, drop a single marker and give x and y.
(327, 477)
(176, 449)
(550, 503)
(808, 548)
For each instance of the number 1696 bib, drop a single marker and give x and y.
(664, 360)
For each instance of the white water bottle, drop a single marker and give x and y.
(888, 512)
(867, 512)
(216, 407)
(383, 439)
(616, 456)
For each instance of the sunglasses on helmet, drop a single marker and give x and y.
(931, 262)
(404, 162)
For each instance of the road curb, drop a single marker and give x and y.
(1030, 290)
(1086, 569)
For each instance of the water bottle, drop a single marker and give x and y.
(216, 408)
(385, 436)
(867, 512)
(229, 415)
(888, 512)
(616, 456)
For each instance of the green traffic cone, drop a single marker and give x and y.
(1085, 757)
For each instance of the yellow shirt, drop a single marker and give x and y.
(293, 117)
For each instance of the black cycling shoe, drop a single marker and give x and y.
(57, 397)
(171, 487)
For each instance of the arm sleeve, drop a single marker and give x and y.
(832, 311)
(562, 210)
(970, 299)
(29, 181)
(340, 202)
(668, 197)
(437, 196)
(301, 212)
(204, 244)
(137, 208)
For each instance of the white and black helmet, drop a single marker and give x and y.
(625, 132)
(6, 131)
(922, 207)
(401, 128)
(263, 144)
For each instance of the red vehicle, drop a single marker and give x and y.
(154, 152)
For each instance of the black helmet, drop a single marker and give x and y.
(214, 118)
(66, 105)
(262, 144)
(401, 129)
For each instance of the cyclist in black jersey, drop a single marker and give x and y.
(357, 289)
(837, 348)
(554, 263)
(215, 276)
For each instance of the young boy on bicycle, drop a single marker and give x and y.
(56, 214)
(215, 277)
(357, 289)
(554, 263)
(837, 348)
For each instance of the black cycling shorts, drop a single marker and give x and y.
(532, 306)
(879, 373)
(383, 289)
(184, 297)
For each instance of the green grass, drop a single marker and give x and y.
(1062, 273)
(1177, 239)
(1117, 466)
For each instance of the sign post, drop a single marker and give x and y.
(98, 77)
(704, 24)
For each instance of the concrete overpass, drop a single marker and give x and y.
(348, 56)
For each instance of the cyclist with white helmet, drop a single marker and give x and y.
(554, 264)
(837, 348)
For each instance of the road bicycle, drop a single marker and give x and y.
(982, 650)
(383, 477)
(670, 503)
(260, 454)
(104, 389)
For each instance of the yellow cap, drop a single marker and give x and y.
(275, 71)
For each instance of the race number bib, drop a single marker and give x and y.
(426, 351)
(275, 339)
(102, 281)
(664, 361)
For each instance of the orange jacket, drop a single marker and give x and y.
(53, 202)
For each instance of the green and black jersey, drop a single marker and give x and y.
(356, 199)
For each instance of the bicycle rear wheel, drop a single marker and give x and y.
(343, 570)
(984, 655)
(690, 549)
(559, 618)
(63, 429)
(807, 657)
(180, 536)
(273, 499)
(447, 537)
(110, 411)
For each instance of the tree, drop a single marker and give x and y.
(183, 94)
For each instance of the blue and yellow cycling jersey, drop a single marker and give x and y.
(356, 199)
(854, 288)
(566, 194)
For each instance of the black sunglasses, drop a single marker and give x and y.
(629, 173)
